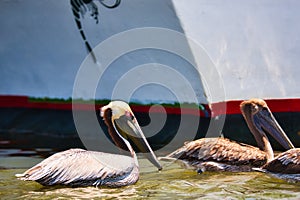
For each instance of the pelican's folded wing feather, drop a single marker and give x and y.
(220, 150)
(80, 167)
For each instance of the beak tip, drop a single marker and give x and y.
(159, 167)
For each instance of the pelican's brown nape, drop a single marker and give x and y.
(221, 154)
(78, 167)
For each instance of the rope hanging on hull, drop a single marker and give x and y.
(80, 8)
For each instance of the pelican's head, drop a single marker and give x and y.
(125, 124)
(261, 121)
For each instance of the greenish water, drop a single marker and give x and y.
(173, 182)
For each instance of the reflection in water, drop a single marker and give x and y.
(84, 193)
(173, 182)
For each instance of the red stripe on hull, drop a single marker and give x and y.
(275, 105)
(230, 107)
(24, 102)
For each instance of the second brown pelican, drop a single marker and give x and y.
(78, 167)
(221, 154)
(285, 165)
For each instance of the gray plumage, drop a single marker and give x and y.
(78, 167)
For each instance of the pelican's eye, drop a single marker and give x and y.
(266, 111)
(254, 108)
(129, 115)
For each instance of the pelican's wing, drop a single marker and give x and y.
(220, 150)
(80, 167)
(287, 162)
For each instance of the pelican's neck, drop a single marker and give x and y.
(132, 152)
(116, 137)
(267, 148)
(119, 141)
(262, 140)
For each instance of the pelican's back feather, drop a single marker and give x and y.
(287, 162)
(81, 167)
(220, 150)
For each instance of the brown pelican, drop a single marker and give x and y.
(286, 165)
(221, 154)
(78, 167)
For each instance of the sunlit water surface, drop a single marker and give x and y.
(173, 182)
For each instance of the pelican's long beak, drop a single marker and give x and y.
(129, 128)
(266, 121)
